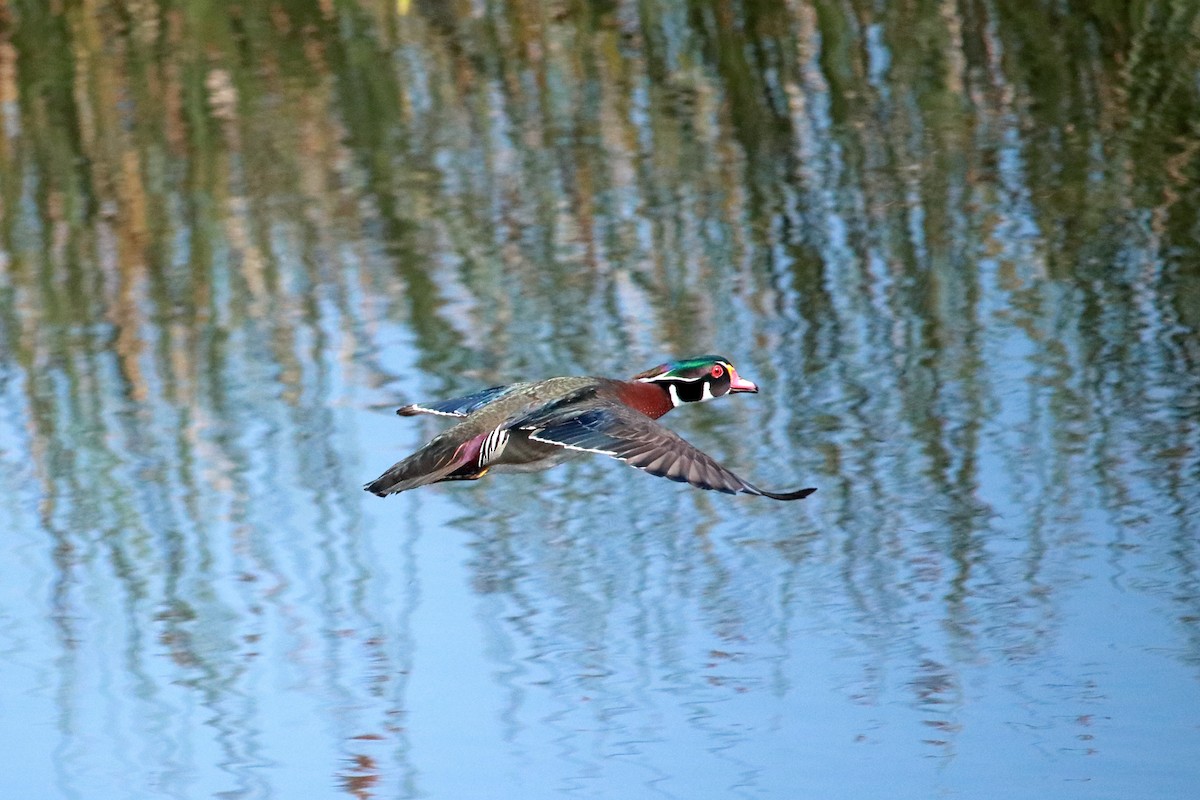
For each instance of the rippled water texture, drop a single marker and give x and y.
(956, 243)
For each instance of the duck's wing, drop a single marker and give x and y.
(459, 406)
(640, 442)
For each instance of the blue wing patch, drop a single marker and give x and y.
(457, 406)
(586, 431)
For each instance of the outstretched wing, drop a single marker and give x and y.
(640, 442)
(458, 406)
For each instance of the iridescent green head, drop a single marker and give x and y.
(693, 380)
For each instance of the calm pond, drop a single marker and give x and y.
(956, 244)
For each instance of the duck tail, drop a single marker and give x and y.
(440, 460)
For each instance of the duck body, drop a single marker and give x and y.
(526, 427)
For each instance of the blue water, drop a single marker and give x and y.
(267, 629)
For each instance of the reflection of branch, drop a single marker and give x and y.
(360, 777)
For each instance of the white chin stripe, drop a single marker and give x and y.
(671, 390)
(706, 394)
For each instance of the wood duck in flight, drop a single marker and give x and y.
(524, 427)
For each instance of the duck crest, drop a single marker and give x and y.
(648, 398)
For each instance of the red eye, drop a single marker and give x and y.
(717, 371)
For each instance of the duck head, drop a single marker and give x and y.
(694, 380)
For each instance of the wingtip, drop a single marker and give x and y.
(799, 494)
(407, 411)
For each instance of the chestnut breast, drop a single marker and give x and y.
(648, 398)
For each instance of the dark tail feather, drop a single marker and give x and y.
(432, 463)
(389, 482)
